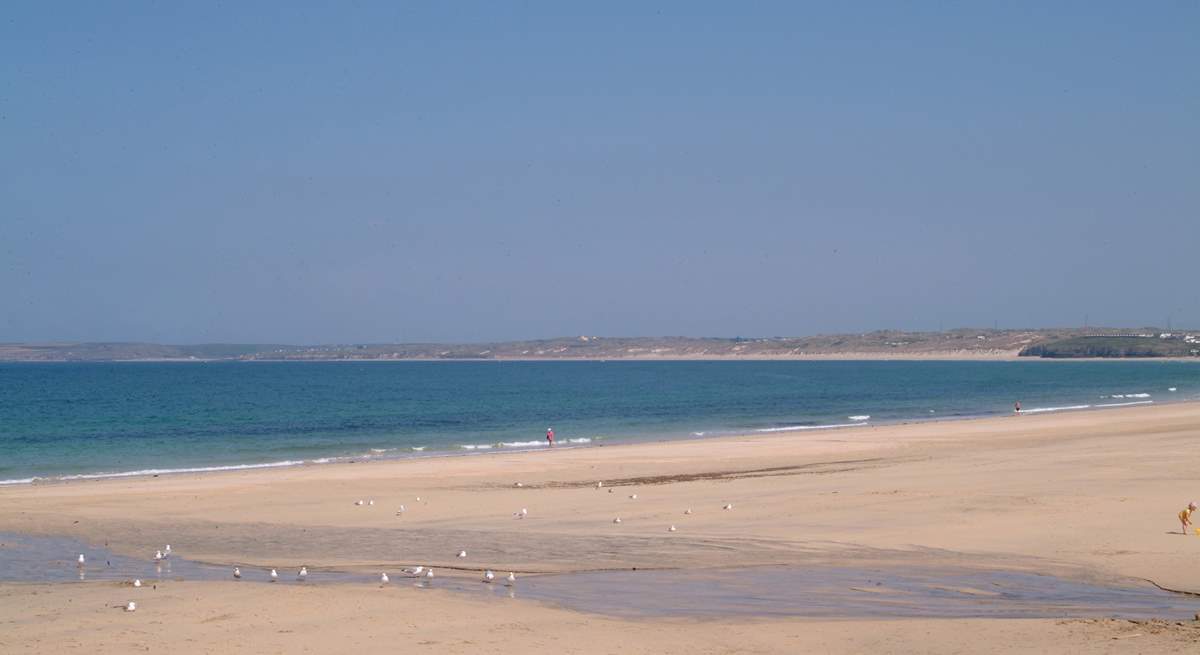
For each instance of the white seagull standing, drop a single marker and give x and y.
(462, 554)
(429, 575)
(728, 506)
(131, 607)
(510, 580)
(358, 503)
(599, 484)
(167, 551)
(687, 511)
(400, 511)
(671, 529)
(415, 572)
(81, 559)
(137, 583)
(158, 556)
(274, 575)
(237, 573)
(633, 497)
(383, 579)
(488, 576)
(371, 502)
(617, 520)
(521, 514)
(303, 574)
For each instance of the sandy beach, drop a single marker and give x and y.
(1085, 495)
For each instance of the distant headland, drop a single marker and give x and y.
(963, 343)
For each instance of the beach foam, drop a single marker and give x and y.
(859, 417)
(1134, 402)
(797, 428)
(1039, 410)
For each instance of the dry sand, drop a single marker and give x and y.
(1090, 495)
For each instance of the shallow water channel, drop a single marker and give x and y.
(815, 591)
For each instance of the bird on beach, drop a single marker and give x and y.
(462, 554)
(617, 520)
(237, 573)
(383, 578)
(303, 574)
(81, 559)
(371, 502)
(687, 511)
(137, 583)
(158, 556)
(521, 514)
(358, 503)
(633, 497)
(414, 572)
(510, 580)
(671, 529)
(518, 485)
(599, 484)
(274, 576)
(167, 551)
(131, 607)
(418, 499)
(488, 576)
(728, 506)
(401, 510)
(428, 576)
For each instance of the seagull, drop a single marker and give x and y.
(158, 556)
(518, 485)
(371, 502)
(728, 506)
(599, 484)
(418, 499)
(274, 576)
(1171, 388)
(617, 520)
(81, 559)
(687, 511)
(671, 529)
(167, 551)
(521, 514)
(383, 579)
(488, 576)
(510, 580)
(415, 572)
(131, 607)
(137, 583)
(429, 575)
(303, 574)
(237, 573)
(462, 553)
(633, 497)
(358, 502)
(401, 510)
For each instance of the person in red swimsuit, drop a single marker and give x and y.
(550, 436)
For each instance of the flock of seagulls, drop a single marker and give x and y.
(418, 572)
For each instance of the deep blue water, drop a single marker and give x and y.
(72, 419)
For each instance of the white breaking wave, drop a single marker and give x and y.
(579, 440)
(797, 428)
(523, 444)
(1039, 410)
(1135, 402)
(140, 472)
(418, 448)
(1130, 395)
(859, 417)
(476, 446)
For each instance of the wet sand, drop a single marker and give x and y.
(1089, 496)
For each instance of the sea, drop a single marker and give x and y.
(62, 421)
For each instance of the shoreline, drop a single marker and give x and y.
(419, 453)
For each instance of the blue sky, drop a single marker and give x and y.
(470, 171)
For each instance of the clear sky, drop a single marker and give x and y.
(347, 172)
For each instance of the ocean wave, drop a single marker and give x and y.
(1130, 395)
(859, 417)
(523, 444)
(1039, 410)
(797, 428)
(1135, 402)
(141, 472)
(579, 440)
(19, 481)
(475, 446)
(418, 448)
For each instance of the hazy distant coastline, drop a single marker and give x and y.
(958, 344)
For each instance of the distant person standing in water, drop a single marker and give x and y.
(1017, 408)
(550, 436)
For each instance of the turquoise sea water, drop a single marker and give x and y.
(62, 420)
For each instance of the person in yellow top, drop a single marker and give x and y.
(1185, 517)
